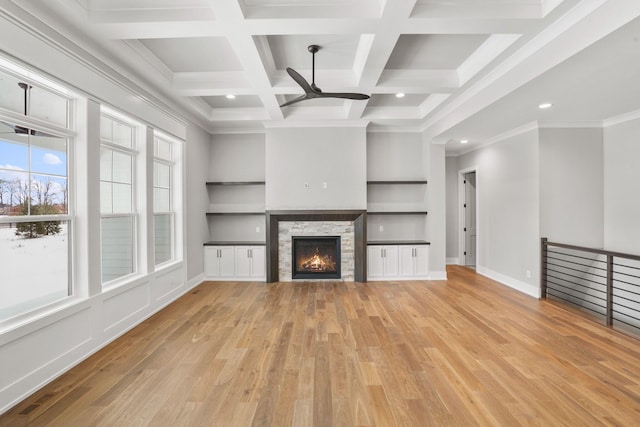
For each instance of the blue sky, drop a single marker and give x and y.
(46, 161)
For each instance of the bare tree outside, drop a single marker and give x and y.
(38, 199)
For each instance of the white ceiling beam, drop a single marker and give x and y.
(487, 52)
(152, 15)
(374, 51)
(319, 11)
(145, 29)
(582, 26)
(432, 102)
(248, 53)
(211, 83)
(391, 113)
(468, 26)
(425, 81)
(238, 114)
(480, 9)
(161, 30)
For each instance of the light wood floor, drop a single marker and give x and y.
(462, 352)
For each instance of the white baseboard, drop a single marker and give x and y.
(516, 284)
(438, 275)
(192, 283)
(454, 261)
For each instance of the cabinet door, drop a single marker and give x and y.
(227, 262)
(243, 261)
(422, 260)
(407, 261)
(375, 267)
(391, 261)
(258, 261)
(211, 262)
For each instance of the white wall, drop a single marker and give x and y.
(36, 349)
(508, 203)
(621, 180)
(451, 172)
(336, 156)
(436, 220)
(572, 186)
(237, 157)
(197, 201)
(395, 156)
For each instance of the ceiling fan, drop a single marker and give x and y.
(311, 91)
(21, 130)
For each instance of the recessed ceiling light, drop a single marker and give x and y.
(399, 95)
(545, 105)
(231, 96)
(464, 141)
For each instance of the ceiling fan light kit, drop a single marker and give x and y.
(311, 91)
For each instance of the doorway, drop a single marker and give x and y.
(469, 228)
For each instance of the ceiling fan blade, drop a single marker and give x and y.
(298, 99)
(300, 80)
(21, 130)
(346, 95)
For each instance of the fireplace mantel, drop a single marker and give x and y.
(359, 217)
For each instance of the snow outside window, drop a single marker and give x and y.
(35, 222)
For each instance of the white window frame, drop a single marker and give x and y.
(172, 193)
(134, 152)
(67, 133)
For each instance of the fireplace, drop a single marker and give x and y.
(315, 257)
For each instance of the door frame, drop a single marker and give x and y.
(461, 194)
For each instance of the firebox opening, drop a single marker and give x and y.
(315, 257)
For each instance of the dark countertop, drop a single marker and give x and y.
(397, 242)
(233, 243)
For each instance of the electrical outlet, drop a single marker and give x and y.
(324, 185)
(381, 228)
(528, 274)
(306, 185)
(258, 229)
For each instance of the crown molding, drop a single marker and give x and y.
(622, 118)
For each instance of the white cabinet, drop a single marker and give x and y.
(219, 262)
(397, 262)
(250, 262)
(234, 262)
(382, 261)
(414, 261)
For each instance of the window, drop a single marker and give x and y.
(35, 219)
(117, 198)
(163, 199)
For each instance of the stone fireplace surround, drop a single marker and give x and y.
(358, 217)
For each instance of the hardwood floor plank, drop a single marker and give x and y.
(461, 352)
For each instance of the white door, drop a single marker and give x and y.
(258, 261)
(227, 261)
(375, 267)
(407, 261)
(470, 219)
(391, 265)
(421, 261)
(243, 261)
(211, 263)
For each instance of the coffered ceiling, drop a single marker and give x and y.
(452, 59)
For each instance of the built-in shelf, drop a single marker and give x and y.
(234, 213)
(397, 242)
(235, 183)
(233, 243)
(396, 182)
(398, 213)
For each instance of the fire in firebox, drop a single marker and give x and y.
(315, 257)
(317, 262)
